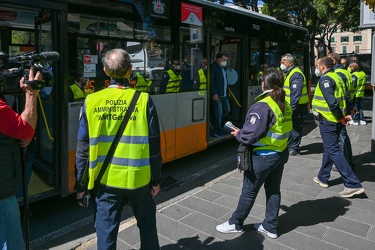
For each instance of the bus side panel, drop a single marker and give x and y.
(166, 108)
(190, 123)
(182, 122)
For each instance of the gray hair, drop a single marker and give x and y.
(116, 63)
(288, 57)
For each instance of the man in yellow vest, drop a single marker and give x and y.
(295, 87)
(263, 67)
(141, 82)
(171, 81)
(329, 103)
(345, 64)
(359, 82)
(133, 173)
(200, 81)
(77, 92)
(344, 140)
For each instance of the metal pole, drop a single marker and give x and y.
(373, 92)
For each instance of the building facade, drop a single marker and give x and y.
(346, 42)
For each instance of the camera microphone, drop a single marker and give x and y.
(46, 56)
(43, 56)
(230, 127)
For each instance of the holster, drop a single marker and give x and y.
(244, 158)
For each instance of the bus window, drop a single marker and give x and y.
(254, 61)
(191, 43)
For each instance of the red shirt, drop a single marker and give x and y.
(12, 125)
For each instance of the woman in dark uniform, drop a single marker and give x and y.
(266, 131)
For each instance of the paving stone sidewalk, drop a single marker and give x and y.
(311, 217)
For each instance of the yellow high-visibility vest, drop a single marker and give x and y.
(304, 97)
(174, 82)
(277, 136)
(319, 103)
(130, 165)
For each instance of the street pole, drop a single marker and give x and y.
(373, 92)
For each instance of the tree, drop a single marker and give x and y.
(322, 17)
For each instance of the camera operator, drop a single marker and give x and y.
(15, 130)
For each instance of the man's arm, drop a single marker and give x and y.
(21, 126)
(82, 149)
(155, 150)
(29, 114)
(296, 86)
(258, 121)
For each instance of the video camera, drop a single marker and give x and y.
(14, 68)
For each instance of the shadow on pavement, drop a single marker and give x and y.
(311, 212)
(195, 243)
(313, 148)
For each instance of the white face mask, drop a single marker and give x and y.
(177, 67)
(283, 67)
(223, 63)
(317, 72)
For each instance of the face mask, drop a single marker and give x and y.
(177, 67)
(223, 64)
(283, 67)
(317, 72)
(204, 67)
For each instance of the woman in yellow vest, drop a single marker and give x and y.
(133, 173)
(266, 130)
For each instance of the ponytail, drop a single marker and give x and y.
(274, 79)
(278, 95)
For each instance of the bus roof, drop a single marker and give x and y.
(242, 11)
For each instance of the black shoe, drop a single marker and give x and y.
(293, 153)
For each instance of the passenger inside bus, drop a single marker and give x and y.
(171, 81)
(200, 79)
(77, 89)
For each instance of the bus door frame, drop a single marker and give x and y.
(243, 76)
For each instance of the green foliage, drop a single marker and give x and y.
(321, 17)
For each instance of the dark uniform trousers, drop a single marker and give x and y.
(330, 132)
(346, 146)
(109, 205)
(295, 137)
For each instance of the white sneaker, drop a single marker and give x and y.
(227, 229)
(351, 122)
(355, 123)
(259, 228)
(349, 192)
(362, 122)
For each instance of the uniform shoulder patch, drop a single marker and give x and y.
(254, 117)
(325, 84)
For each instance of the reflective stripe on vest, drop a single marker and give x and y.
(130, 166)
(174, 82)
(277, 136)
(202, 80)
(361, 82)
(78, 93)
(142, 84)
(320, 104)
(304, 97)
(349, 81)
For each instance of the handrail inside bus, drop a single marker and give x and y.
(44, 118)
